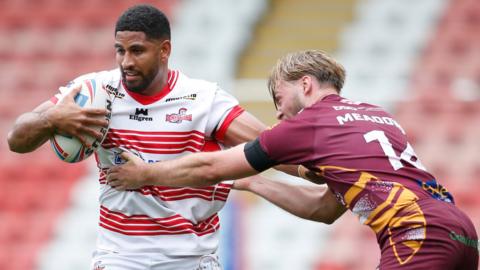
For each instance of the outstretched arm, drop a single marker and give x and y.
(199, 169)
(314, 202)
(247, 128)
(34, 128)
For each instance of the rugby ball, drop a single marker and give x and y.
(69, 148)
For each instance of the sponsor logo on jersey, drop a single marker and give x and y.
(139, 111)
(187, 97)
(179, 117)
(474, 243)
(117, 159)
(138, 115)
(113, 91)
(436, 190)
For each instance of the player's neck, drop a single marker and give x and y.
(318, 95)
(158, 84)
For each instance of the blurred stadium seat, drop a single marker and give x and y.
(429, 80)
(443, 111)
(43, 45)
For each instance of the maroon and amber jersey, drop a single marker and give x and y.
(363, 154)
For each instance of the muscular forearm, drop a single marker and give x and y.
(30, 131)
(308, 202)
(195, 170)
(302, 172)
(288, 169)
(200, 169)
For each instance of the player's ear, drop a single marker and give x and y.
(307, 84)
(165, 49)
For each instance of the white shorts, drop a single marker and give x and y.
(105, 260)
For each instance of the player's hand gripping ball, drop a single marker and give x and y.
(69, 148)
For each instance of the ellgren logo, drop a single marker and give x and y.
(141, 111)
(138, 112)
(179, 117)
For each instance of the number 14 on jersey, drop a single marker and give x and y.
(408, 155)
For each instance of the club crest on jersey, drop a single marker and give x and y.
(177, 118)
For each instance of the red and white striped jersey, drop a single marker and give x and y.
(187, 116)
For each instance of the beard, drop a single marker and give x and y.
(139, 85)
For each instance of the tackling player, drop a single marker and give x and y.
(360, 152)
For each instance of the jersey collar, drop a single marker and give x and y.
(146, 100)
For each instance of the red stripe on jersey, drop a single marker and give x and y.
(211, 146)
(102, 178)
(234, 113)
(153, 145)
(156, 133)
(165, 151)
(219, 192)
(145, 100)
(145, 225)
(174, 79)
(158, 138)
(158, 232)
(154, 142)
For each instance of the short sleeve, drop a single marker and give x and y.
(224, 110)
(289, 142)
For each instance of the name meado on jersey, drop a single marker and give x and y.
(349, 117)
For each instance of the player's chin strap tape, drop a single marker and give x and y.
(258, 159)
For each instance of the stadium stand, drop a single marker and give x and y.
(43, 44)
(389, 51)
(294, 25)
(380, 48)
(446, 91)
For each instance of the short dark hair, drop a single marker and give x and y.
(144, 18)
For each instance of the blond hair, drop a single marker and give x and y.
(295, 65)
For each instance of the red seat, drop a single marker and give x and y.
(49, 43)
(447, 143)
